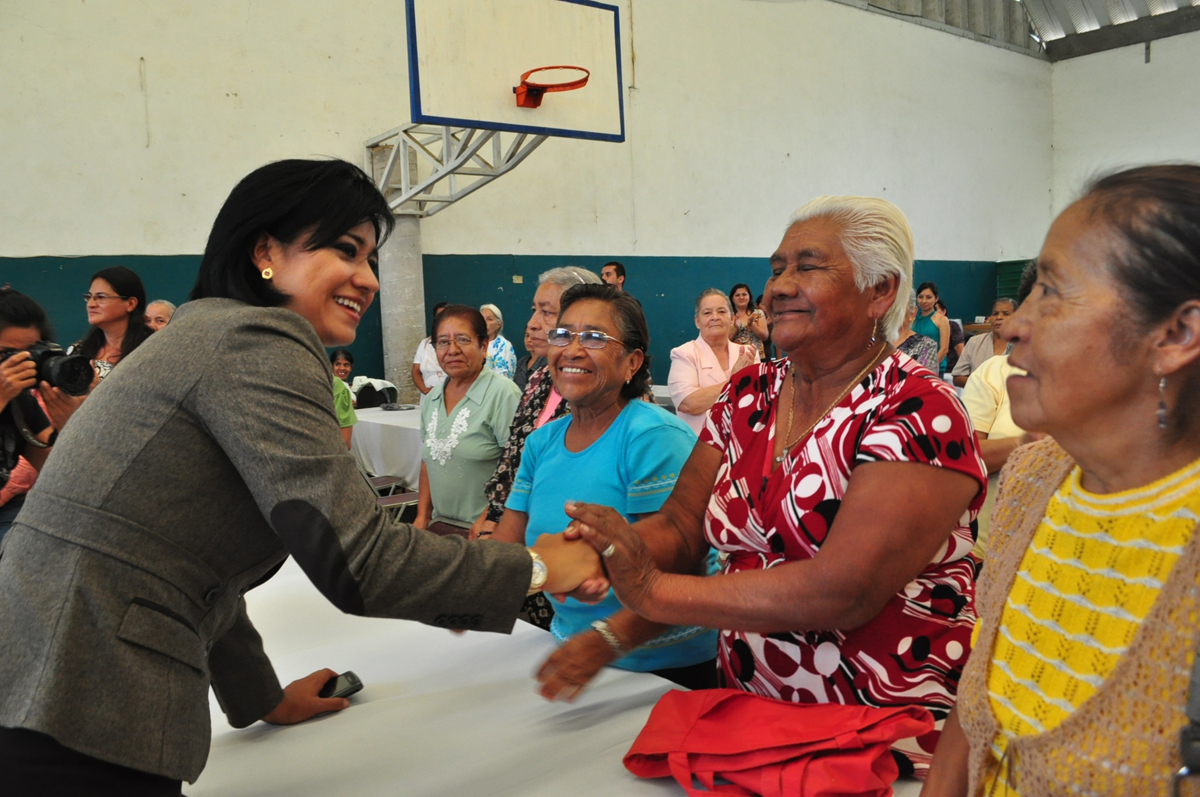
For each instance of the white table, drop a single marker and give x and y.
(389, 443)
(440, 714)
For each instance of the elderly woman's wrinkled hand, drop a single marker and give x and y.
(573, 666)
(569, 563)
(631, 570)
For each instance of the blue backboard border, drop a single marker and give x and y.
(414, 86)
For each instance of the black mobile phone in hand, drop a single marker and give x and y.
(342, 685)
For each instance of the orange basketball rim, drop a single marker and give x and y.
(530, 92)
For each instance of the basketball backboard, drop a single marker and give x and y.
(465, 58)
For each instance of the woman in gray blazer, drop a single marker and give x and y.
(187, 478)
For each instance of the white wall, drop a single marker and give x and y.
(1112, 109)
(742, 111)
(745, 110)
(231, 85)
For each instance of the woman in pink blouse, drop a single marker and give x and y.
(701, 368)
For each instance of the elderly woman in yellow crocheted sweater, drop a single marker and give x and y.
(1089, 607)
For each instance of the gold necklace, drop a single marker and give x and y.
(792, 404)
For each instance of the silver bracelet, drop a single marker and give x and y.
(605, 631)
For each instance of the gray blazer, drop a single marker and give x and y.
(185, 480)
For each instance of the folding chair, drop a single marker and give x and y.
(396, 503)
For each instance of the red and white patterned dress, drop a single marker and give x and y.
(913, 652)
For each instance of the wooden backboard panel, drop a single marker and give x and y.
(465, 57)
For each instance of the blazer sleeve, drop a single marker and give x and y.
(241, 674)
(265, 398)
(684, 377)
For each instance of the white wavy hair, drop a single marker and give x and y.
(878, 241)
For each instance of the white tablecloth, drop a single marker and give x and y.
(389, 443)
(439, 714)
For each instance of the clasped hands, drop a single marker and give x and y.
(614, 555)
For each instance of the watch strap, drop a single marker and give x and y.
(540, 574)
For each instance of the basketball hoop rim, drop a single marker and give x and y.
(569, 85)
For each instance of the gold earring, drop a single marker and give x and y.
(268, 273)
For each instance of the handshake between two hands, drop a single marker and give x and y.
(597, 550)
(574, 568)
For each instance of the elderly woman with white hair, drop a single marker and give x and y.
(158, 314)
(501, 356)
(839, 480)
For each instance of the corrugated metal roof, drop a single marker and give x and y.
(1055, 29)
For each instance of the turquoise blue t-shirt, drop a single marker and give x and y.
(924, 325)
(631, 468)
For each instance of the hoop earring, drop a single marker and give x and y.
(1162, 413)
(268, 273)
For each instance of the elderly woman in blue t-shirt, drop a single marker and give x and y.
(616, 450)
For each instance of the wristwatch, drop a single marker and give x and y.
(540, 573)
(605, 631)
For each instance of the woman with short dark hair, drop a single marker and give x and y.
(116, 308)
(343, 400)
(190, 479)
(426, 373)
(464, 424)
(342, 361)
(1087, 603)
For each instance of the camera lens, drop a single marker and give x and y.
(70, 373)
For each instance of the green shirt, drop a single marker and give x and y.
(460, 449)
(343, 404)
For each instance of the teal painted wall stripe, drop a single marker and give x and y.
(667, 287)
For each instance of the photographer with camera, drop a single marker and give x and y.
(28, 362)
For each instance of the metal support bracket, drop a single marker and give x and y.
(422, 168)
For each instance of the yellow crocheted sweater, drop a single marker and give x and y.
(1091, 574)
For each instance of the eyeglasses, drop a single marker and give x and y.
(87, 297)
(588, 338)
(462, 341)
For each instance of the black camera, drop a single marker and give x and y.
(69, 373)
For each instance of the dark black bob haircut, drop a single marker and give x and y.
(317, 200)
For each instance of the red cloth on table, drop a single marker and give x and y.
(772, 748)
